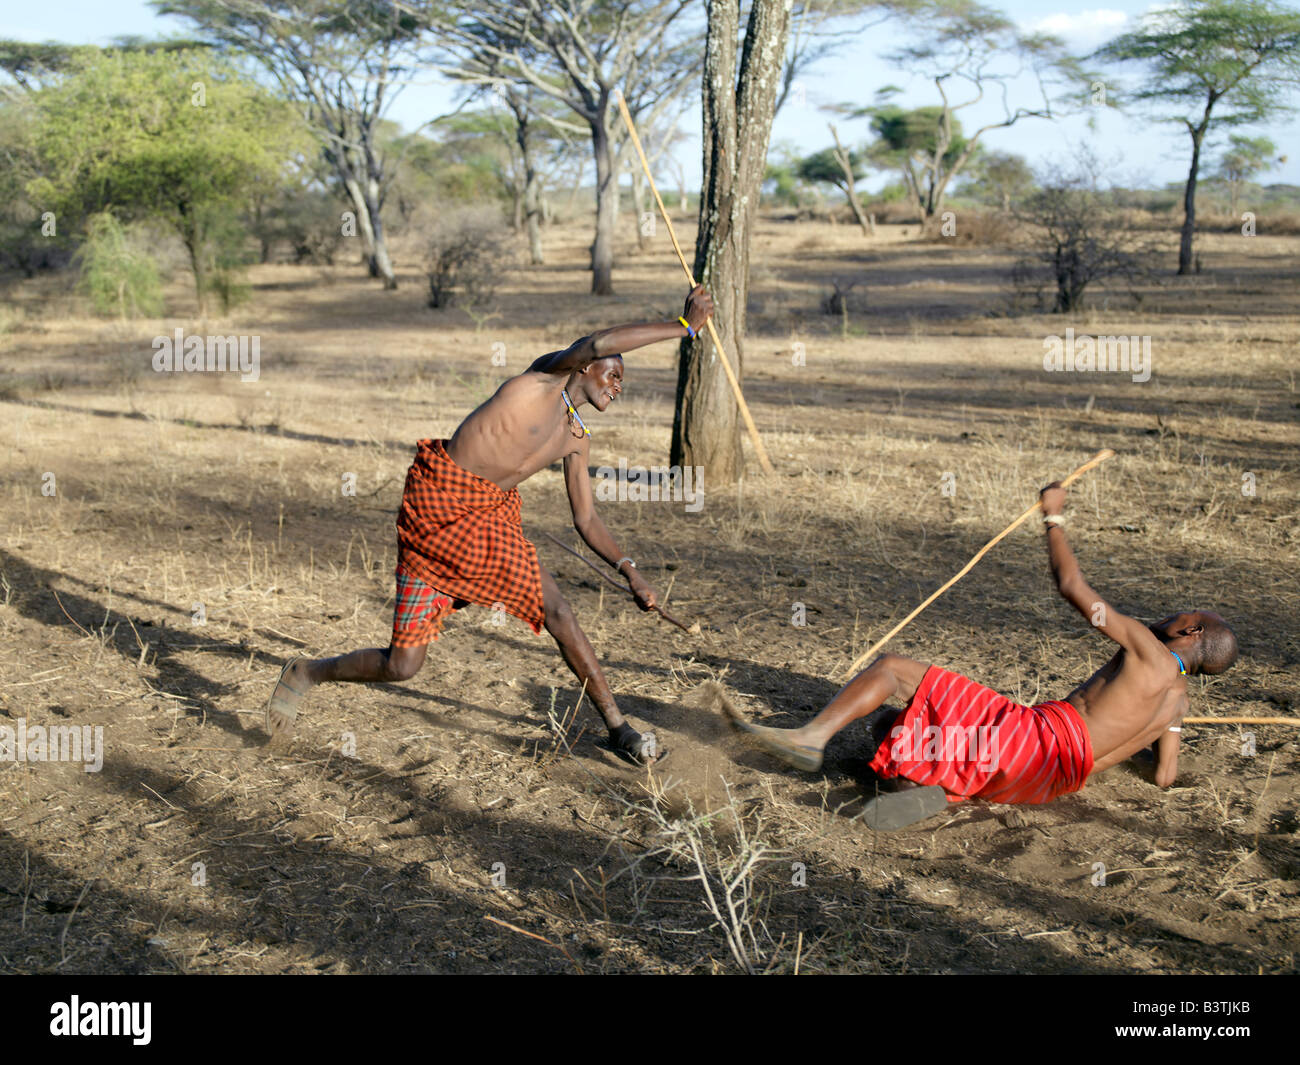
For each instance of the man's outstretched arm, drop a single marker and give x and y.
(1129, 633)
(621, 338)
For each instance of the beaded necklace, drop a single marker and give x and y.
(573, 413)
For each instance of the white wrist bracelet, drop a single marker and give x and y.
(1054, 519)
(1174, 728)
(619, 567)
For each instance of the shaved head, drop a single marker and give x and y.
(1218, 645)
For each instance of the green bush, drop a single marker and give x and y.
(117, 274)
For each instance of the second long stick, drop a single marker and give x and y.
(1096, 460)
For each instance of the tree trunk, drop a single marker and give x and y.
(353, 189)
(850, 186)
(191, 233)
(639, 206)
(533, 217)
(602, 248)
(530, 202)
(263, 238)
(1185, 260)
(912, 185)
(364, 195)
(200, 275)
(381, 266)
(738, 117)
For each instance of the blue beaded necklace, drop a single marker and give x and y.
(574, 413)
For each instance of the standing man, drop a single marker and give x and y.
(460, 536)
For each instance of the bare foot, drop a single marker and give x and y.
(282, 708)
(778, 742)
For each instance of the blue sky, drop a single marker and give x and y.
(1138, 152)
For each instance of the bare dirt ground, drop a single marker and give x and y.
(372, 843)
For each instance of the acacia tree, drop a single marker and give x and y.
(1226, 62)
(343, 64)
(29, 66)
(526, 151)
(538, 143)
(925, 147)
(25, 69)
(841, 167)
(739, 101)
(970, 52)
(1000, 177)
(126, 132)
(579, 52)
(1245, 158)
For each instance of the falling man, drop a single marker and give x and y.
(956, 739)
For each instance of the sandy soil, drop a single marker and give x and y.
(447, 824)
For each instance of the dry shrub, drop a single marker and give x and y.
(466, 253)
(842, 299)
(891, 213)
(1267, 223)
(1075, 240)
(983, 228)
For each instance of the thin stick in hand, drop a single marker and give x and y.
(610, 580)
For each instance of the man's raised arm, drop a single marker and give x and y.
(1129, 633)
(621, 338)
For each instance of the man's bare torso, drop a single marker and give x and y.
(1128, 704)
(523, 428)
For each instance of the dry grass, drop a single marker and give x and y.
(370, 844)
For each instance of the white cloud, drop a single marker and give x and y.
(1084, 28)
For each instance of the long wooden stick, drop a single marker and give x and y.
(1241, 721)
(759, 449)
(1096, 460)
(605, 576)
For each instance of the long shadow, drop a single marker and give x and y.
(255, 430)
(310, 898)
(949, 404)
(506, 741)
(276, 928)
(300, 894)
(79, 614)
(186, 629)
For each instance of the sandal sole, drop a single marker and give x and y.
(898, 809)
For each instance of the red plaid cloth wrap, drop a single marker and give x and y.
(420, 612)
(463, 535)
